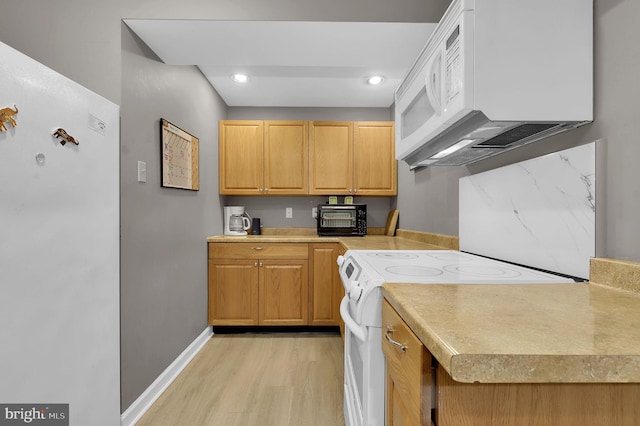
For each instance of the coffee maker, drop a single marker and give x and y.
(236, 221)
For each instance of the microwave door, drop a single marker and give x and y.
(420, 115)
(433, 83)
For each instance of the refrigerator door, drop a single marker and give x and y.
(59, 244)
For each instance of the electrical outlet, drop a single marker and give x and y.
(314, 212)
(142, 171)
(288, 213)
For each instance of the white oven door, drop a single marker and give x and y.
(353, 368)
(364, 372)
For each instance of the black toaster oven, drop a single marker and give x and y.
(342, 219)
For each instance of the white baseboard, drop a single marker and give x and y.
(149, 396)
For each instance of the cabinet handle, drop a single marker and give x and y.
(387, 336)
(255, 263)
(258, 248)
(261, 264)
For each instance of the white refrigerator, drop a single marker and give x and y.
(59, 244)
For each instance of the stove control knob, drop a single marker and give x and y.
(340, 260)
(356, 291)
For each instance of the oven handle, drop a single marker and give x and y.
(354, 327)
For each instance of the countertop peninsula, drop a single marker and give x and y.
(533, 333)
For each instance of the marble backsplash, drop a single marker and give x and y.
(539, 213)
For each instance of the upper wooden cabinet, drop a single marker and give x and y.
(356, 158)
(298, 158)
(240, 161)
(375, 165)
(330, 157)
(286, 157)
(263, 157)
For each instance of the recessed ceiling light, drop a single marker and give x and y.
(375, 80)
(240, 78)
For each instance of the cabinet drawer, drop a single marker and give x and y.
(258, 251)
(409, 364)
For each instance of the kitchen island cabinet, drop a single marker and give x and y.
(263, 157)
(409, 374)
(543, 354)
(258, 284)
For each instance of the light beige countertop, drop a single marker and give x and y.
(405, 240)
(538, 333)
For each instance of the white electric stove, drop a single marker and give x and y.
(363, 272)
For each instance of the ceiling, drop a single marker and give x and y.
(289, 63)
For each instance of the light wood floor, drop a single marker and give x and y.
(257, 379)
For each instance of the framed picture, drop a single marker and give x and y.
(179, 157)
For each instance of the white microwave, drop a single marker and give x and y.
(494, 75)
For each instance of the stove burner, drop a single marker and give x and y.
(414, 271)
(393, 255)
(451, 257)
(482, 271)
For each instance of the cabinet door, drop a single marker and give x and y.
(409, 374)
(331, 157)
(240, 162)
(375, 165)
(397, 412)
(284, 292)
(233, 292)
(286, 153)
(324, 304)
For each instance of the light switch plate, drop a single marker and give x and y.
(142, 171)
(288, 212)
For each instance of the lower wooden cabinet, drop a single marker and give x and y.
(544, 404)
(258, 284)
(275, 284)
(325, 284)
(409, 374)
(283, 292)
(233, 292)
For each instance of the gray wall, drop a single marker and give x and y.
(428, 198)
(164, 255)
(163, 280)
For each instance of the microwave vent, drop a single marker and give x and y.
(512, 138)
(514, 135)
